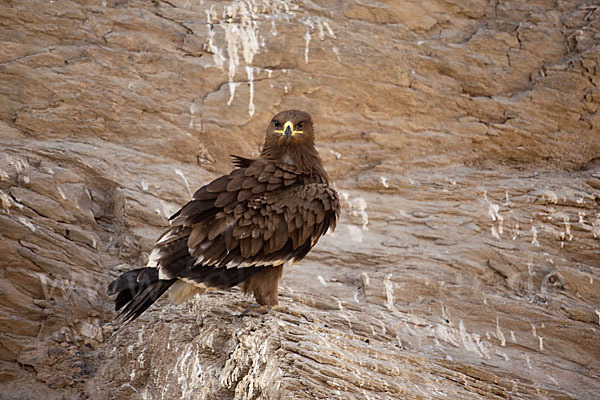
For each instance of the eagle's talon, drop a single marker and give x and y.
(286, 310)
(261, 310)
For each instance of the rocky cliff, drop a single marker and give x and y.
(462, 135)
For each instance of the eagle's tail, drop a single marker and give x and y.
(137, 289)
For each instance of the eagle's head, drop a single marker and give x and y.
(290, 128)
(291, 139)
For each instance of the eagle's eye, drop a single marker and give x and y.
(300, 125)
(276, 123)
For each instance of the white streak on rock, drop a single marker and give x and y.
(250, 72)
(495, 233)
(27, 224)
(336, 154)
(5, 200)
(178, 172)
(389, 291)
(358, 209)
(218, 57)
(320, 30)
(329, 30)
(61, 193)
(336, 51)
(307, 38)
(467, 339)
(232, 86)
(500, 334)
(534, 236)
(567, 234)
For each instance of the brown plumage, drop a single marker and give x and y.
(241, 228)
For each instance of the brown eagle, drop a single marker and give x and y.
(241, 228)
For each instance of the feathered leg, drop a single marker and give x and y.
(265, 286)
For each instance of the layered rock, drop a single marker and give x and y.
(463, 137)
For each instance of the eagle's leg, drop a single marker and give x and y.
(265, 286)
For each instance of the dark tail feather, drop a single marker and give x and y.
(137, 289)
(144, 299)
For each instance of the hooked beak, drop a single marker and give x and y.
(288, 130)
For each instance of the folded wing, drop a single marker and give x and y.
(260, 215)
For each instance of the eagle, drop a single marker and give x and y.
(241, 228)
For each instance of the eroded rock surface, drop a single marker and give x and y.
(463, 136)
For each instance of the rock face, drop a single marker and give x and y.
(462, 135)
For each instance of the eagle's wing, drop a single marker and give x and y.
(260, 215)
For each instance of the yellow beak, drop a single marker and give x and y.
(288, 130)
